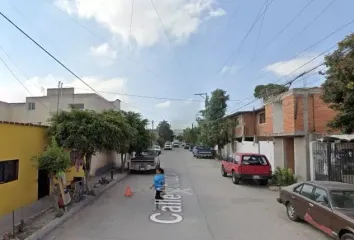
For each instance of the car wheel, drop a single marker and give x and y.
(290, 210)
(234, 178)
(347, 236)
(223, 173)
(263, 182)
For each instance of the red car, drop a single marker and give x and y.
(248, 166)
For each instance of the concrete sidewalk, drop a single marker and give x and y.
(25, 213)
(42, 205)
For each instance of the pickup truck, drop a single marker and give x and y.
(202, 152)
(147, 161)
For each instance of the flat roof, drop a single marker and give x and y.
(23, 124)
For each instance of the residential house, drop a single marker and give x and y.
(37, 110)
(293, 119)
(21, 183)
(244, 128)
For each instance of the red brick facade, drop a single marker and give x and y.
(319, 114)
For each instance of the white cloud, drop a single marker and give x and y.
(163, 104)
(104, 50)
(228, 70)
(107, 88)
(293, 66)
(181, 18)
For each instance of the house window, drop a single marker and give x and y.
(8, 171)
(262, 118)
(31, 106)
(77, 106)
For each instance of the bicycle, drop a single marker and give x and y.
(77, 191)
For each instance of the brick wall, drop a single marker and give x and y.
(319, 114)
(289, 114)
(249, 120)
(322, 115)
(267, 127)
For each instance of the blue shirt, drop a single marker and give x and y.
(159, 181)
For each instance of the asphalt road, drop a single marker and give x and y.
(208, 206)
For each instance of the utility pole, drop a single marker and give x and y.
(152, 132)
(201, 95)
(59, 84)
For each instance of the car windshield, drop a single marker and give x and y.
(204, 148)
(254, 160)
(155, 146)
(342, 199)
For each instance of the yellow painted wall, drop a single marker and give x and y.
(20, 142)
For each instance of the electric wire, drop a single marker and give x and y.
(235, 53)
(307, 48)
(19, 81)
(131, 21)
(58, 61)
(167, 36)
(97, 36)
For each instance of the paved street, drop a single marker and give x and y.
(212, 209)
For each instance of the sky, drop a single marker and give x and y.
(156, 55)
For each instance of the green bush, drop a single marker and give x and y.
(283, 177)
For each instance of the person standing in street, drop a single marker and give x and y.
(159, 185)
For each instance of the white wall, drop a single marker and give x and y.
(262, 147)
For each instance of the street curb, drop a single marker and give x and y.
(50, 227)
(274, 188)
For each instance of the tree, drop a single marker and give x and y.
(54, 160)
(212, 125)
(164, 131)
(338, 89)
(120, 135)
(190, 135)
(143, 136)
(265, 92)
(83, 131)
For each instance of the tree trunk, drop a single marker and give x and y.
(87, 172)
(219, 150)
(123, 158)
(55, 193)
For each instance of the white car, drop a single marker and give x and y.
(157, 148)
(168, 146)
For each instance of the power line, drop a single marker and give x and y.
(19, 81)
(289, 24)
(58, 61)
(309, 47)
(166, 33)
(235, 53)
(307, 25)
(294, 79)
(102, 39)
(280, 32)
(153, 97)
(260, 30)
(131, 21)
(237, 8)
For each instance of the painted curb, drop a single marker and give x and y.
(50, 227)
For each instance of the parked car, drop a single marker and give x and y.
(176, 144)
(202, 152)
(186, 146)
(157, 148)
(168, 146)
(247, 166)
(146, 161)
(328, 206)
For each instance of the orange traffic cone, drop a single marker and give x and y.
(128, 192)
